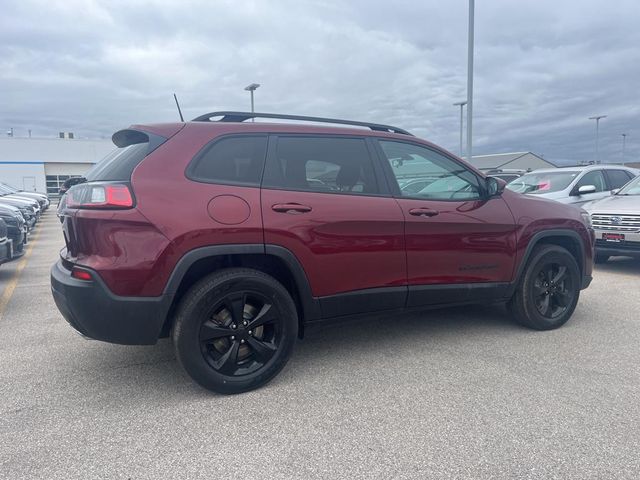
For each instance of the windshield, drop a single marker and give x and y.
(631, 188)
(543, 182)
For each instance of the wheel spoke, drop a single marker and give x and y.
(549, 273)
(263, 350)
(562, 272)
(210, 330)
(545, 306)
(563, 298)
(265, 315)
(236, 304)
(538, 289)
(228, 363)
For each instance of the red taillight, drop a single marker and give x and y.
(118, 196)
(89, 195)
(81, 274)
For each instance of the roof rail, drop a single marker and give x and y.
(242, 116)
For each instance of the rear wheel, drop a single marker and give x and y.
(601, 258)
(548, 291)
(235, 330)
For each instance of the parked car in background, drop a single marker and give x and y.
(29, 208)
(6, 245)
(574, 185)
(506, 174)
(212, 232)
(616, 221)
(41, 198)
(68, 183)
(414, 185)
(17, 230)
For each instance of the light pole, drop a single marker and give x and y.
(470, 83)
(462, 104)
(624, 138)
(252, 88)
(597, 119)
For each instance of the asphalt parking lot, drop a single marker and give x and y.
(460, 393)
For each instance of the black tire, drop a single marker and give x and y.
(548, 290)
(242, 353)
(601, 258)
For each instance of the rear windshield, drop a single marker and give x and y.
(543, 182)
(119, 164)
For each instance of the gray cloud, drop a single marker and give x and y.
(542, 67)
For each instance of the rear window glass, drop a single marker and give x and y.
(234, 160)
(119, 164)
(543, 182)
(618, 178)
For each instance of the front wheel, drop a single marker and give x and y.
(235, 330)
(548, 291)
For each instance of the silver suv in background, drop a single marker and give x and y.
(574, 185)
(616, 221)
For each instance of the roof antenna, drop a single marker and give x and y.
(178, 105)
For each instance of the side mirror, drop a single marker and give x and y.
(615, 191)
(586, 189)
(495, 186)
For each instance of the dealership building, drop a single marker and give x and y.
(42, 164)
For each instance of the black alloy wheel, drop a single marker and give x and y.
(241, 334)
(235, 329)
(548, 290)
(553, 290)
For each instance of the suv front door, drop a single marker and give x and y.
(322, 199)
(592, 177)
(460, 244)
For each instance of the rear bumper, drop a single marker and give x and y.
(95, 312)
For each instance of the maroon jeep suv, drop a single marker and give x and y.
(232, 236)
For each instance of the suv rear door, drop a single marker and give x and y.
(460, 245)
(323, 200)
(618, 178)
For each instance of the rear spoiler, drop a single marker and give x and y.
(132, 136)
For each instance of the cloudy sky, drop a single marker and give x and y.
(541, 67)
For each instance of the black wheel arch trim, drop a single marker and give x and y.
(535, 240)
(310, 305)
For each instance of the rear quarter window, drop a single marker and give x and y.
(233, 160)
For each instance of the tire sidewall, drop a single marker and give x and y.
(197, 304)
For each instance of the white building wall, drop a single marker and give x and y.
(75, 169)
(53, 150)
(25, 162)
(24, 175)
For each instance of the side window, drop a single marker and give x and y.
(235, 160)
(438, 177)
(595, 178)
(618, 178)
(321, 164)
